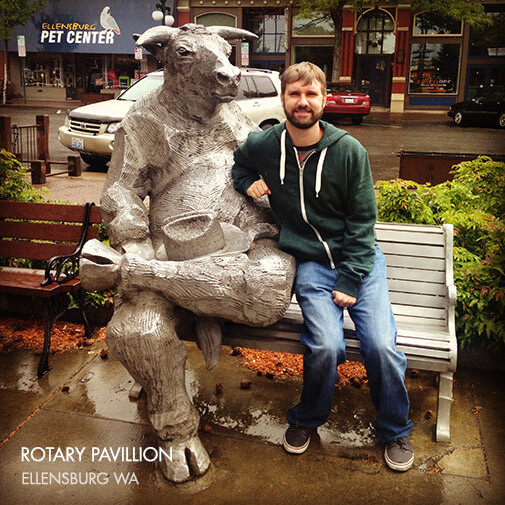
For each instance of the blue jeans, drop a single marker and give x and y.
(323, 338)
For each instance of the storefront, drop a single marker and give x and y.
(80, 48)
(403, 60)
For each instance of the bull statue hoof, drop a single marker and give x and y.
(189, 460)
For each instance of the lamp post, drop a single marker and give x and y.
(163, 14)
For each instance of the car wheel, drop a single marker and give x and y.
(92, 160)
(357, 119)
(501, 119)
(458, 118)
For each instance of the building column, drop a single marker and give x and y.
(347, 52)
(400, 65)
(183, 15)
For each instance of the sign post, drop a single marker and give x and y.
(22, 55)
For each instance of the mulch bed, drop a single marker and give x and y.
(283, 364)
(29, 334)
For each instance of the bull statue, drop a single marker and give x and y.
(187, 251)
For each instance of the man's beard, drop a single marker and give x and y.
(306, 123)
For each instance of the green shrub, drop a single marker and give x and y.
(13, 185)
(474, 203)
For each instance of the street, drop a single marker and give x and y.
(382, 134)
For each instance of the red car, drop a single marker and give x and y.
(343, 100)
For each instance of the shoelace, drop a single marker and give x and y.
(400, 442)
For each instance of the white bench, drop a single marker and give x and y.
(423, 294)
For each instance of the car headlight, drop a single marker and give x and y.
(67, 120)
(113, 127)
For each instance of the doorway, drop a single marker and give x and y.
(373, 76)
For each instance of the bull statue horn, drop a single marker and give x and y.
(230, 33)
(155, 35)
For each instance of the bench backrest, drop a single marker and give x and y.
(420, 267)
(39, 231)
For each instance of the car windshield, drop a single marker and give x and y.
(495, 94)
(142, 87)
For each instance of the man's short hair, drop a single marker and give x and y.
(303, 71)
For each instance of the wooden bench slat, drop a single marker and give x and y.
(48, 212)
(431, 239)
(409, 227)
(425, 288)
(429, 264)
(411, 274)
(424, 301)
(28, 283)
(44, 231)
(33, 250)
(418, 251)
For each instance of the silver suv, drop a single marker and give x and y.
(90, 129)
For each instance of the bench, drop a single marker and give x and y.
(423, 295)
(54, 234)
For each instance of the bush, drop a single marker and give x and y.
(13, 185)
(474, 203)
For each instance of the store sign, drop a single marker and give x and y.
(102, 26)
(85, 33)
(244, 50)
(21, 46)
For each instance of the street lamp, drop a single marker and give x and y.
(163, 15)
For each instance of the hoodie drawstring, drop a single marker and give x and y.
(319, 171)
(282, 166)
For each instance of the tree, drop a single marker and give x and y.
(14, 13)
(462, 10)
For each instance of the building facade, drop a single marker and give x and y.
(402, 59)
(73, 48)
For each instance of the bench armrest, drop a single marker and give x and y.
(63, 268)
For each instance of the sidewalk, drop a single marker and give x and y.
(243, 430)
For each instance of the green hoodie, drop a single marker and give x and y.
(326, 211)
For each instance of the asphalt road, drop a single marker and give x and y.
(383, 135)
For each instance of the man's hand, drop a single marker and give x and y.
(258, 189)
(343, 300)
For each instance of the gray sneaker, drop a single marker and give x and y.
(296, 439)
(399, 454)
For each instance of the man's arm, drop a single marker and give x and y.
(245, 173)
(358, 248)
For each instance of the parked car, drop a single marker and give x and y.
(90, 129)
(344, 100)
(488, 106)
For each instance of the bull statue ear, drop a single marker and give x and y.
(155, 39)
(230, 33)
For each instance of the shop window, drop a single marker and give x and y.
(319, 24)
(269, 26)
(48, 69)
(489, 41)
(322, 56)
(375, 33)
(434, 68)
(216, 19)
(433, 23)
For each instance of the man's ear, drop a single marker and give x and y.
(282, 98)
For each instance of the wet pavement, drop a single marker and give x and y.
(83, 403)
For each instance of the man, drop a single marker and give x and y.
(321, 192)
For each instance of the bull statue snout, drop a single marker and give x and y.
(227, 79)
